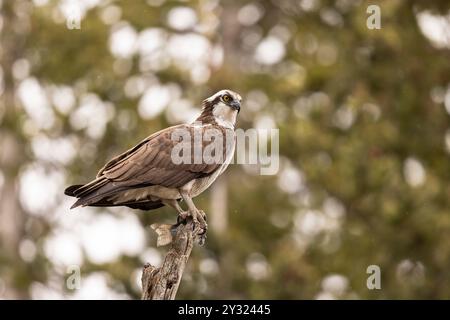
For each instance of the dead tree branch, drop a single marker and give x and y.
(162, 283)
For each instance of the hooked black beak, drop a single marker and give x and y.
(236, 105)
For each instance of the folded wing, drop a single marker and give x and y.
(148, 163)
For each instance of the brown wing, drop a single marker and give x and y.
(126, 154)
(150, 163)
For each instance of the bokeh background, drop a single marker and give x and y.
(364, 120)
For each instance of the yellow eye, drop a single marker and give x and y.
(226, 98)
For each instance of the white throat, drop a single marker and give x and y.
(224, 115)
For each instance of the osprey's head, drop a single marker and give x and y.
(223, 106)
(225, 97)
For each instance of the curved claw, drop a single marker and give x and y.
(200, 225)
(202, 239)
(182, 216)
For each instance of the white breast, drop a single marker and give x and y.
(224, 115)
(202, 184)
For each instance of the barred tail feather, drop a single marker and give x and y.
(98, 194)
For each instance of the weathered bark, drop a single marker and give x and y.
(162, 283)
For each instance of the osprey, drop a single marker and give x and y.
(150, 175)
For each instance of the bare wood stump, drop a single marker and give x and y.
(162, 283)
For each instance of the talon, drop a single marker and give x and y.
(202, 239)
(202, 231)
(200, 226)
(201, 234)
(182, 216)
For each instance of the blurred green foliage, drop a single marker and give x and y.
(353, 106)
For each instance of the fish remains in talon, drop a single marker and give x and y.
(165, 233)
(172, 165)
